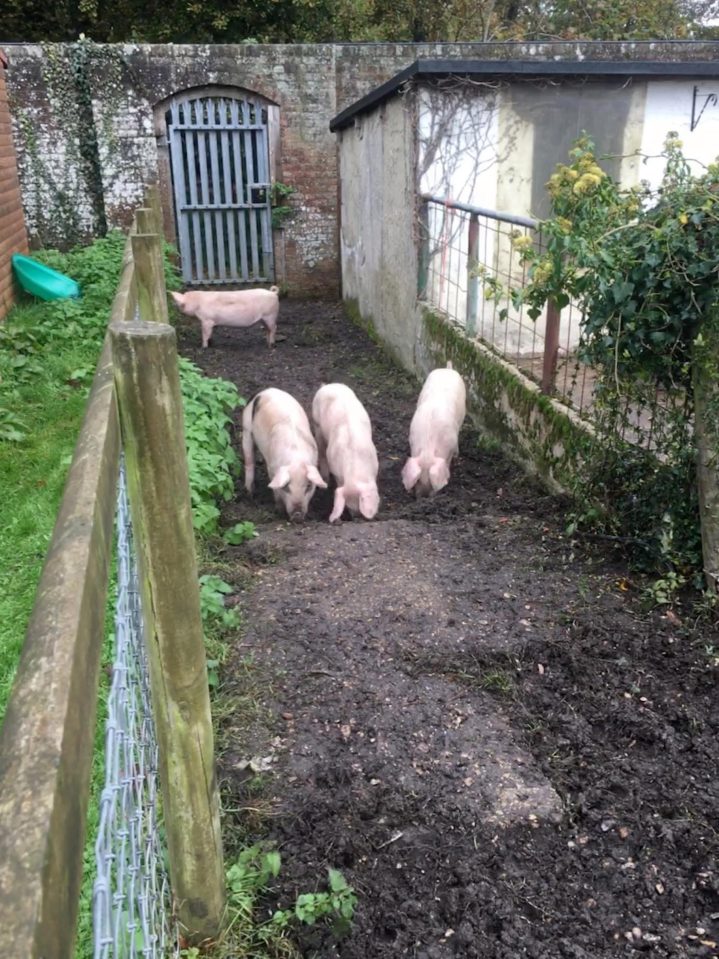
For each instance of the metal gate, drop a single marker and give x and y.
(221, 182)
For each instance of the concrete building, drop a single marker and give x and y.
(490, 134)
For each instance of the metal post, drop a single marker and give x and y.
(551, 348)
(472, 276)
(148, 391)
(423, 249)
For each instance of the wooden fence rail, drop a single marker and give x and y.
(46, 743)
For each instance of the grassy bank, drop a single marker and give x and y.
(48, 353)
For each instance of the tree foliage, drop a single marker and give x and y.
(297, 21)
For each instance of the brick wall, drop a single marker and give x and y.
(13, 238)
(310, 84)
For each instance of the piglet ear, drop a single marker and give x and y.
(411, 472)
(280, 479)
(438, 474)
(313, 475)
(179, 298)
(339, 505)
(369, 501)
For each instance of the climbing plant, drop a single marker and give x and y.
(68, 198)
(643, 267)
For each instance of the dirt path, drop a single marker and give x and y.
(479, 726)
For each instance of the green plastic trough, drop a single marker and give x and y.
(40, 280)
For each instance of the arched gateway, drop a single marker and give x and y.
(220, 166)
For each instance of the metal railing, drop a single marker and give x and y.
(468, 264)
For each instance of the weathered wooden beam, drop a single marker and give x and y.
(472, 275)
(154, 203)
(423, 250)
(149, 277)
(125, 302)
(145, 220)
(47, 739)
(148, 389)
(551, 348)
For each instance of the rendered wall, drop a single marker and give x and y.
(378, 223)
(496, 145)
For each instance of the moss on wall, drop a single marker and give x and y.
(546, 437)
(352, 310)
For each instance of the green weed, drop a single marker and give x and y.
(240, 533)
(211, 459)
(213, 590)
(249, 881)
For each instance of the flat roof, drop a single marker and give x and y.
(529, 69)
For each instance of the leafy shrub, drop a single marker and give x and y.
(240, 533)
(212, 461)
(642, 268)
(213, 590)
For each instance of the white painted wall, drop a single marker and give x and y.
(479, 146)
(669, 106)
(378, 226)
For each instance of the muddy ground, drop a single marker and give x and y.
(475, 719)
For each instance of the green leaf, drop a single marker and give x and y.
(240, 533)
(337, 881)
(274, 862)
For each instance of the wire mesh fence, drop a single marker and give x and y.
(471, 263)
(131, 894)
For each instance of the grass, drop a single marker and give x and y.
(45, 396)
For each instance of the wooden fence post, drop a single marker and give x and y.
(149, 277)
(551, 348)
(152, 201)
(148, 390)
(472, 276)
(145, 220)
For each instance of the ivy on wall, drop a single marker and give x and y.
(61, 152)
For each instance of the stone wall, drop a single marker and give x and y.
(13, 238)
(89, 129)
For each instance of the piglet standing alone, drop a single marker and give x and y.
(231, 308)
(277, 424)
(434, 432)
(344, 439)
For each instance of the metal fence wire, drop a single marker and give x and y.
(131, 894)
(451, 259)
